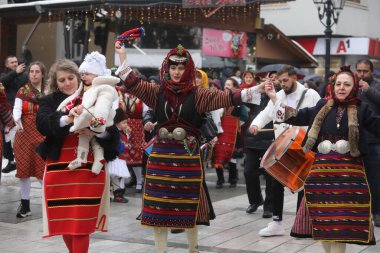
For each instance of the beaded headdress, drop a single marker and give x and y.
(179, 55)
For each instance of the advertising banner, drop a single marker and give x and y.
(224, 43)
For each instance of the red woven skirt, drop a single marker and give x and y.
(225, 146)
(72, 198)
(136, 141)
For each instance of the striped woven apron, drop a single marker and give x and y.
(173, 194)
(338, 199)
(72, 198)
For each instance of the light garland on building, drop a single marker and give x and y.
(169, 13)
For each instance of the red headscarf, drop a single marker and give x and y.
(353, 97)
(175, 92)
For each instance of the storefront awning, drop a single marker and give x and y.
(273, 46)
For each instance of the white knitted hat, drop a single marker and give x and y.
(95, 63)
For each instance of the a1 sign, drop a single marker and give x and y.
(343, 46)
(351, 46)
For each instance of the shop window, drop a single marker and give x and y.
(168, 36)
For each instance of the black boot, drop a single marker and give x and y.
(220, 181)
(233, 174)
(24, 209)
(11, 166)
(132, 180)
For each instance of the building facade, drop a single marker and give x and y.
(355, 36)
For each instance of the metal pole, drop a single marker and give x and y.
(328, 33)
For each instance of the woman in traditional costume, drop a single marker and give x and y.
(229, 140)
(175, 193)
(76, 202)
(336, 189)
(29, 163)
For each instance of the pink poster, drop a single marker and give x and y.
(224, 43)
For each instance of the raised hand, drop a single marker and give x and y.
(270, 90)
(148, 126)
(20, 68)
(363, 85)
(121, 51)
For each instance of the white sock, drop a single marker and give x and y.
(25, 186)
(326, 246)
(137, 171)
(160, 239)
(337, 247)
(192, 238)
(122, 183)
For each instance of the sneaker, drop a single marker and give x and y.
(219, 184)
(120, 199)
(22, 212)
(273, 228)
(253, 208)
(11, 166)
(232, 185)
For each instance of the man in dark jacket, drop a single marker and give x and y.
(12, 79)
(370, 93)
(255, 147)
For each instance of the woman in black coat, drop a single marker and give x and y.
(76, 202)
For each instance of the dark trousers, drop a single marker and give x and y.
(278, 200)
(7, 149)
(252, 179)
(232, 173)
(371, 162)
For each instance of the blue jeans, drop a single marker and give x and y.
(371, 162)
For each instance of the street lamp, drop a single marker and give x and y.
(328, 12)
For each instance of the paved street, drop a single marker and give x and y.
(233, 231)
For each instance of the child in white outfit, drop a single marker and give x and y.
(97, 108)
